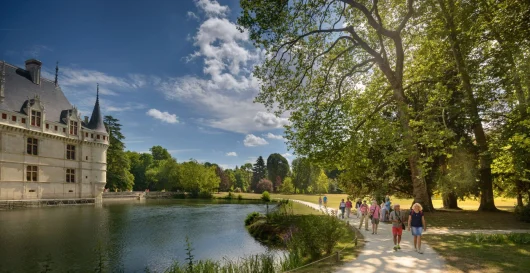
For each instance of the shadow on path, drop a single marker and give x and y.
(378, 255)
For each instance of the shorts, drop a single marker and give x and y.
(375, 221)
(397, 231)
(416, 231)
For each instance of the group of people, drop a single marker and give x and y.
(377, 213)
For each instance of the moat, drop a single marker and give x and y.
(126, 236)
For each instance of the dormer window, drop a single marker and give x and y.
(73, 127)
(35, 118)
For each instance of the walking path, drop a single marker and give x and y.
(378, 256)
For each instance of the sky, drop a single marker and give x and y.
(176, 73)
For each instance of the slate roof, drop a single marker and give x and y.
(96, 120)
(18, 88)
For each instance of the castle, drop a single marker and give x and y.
(46, 150)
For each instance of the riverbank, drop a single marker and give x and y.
(320, 242)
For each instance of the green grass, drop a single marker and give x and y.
(468, 218)
(465, 253)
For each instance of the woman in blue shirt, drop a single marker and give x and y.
(417, 225)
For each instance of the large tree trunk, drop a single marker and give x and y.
(450, 200)
(418, 180)
(487, 202)
(519, 200)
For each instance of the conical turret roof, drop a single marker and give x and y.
(96, 120)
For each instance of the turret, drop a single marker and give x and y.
(96, 120)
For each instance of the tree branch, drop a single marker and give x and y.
(407, 17)
(371, 21)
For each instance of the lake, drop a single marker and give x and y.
(127, 236)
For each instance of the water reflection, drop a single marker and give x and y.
(125, 236)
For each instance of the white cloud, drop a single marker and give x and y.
(286, 155)
(273, 136)
(192, 15)
(252, 140)
(163, 116)
(231, 154)
(212, 7)
(270, 120)
(224, 99)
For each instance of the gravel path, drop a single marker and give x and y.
(378, 255)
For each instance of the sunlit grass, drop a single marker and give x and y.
(463, 254)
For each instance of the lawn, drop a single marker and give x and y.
(464, 255)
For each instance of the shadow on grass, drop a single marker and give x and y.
(466, 219)
(471, 256)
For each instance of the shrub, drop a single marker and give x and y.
(287, 186)
(239, 197)
(317, 234)
(522, 213)
(265, 196)
(251, 218)
(264, 185)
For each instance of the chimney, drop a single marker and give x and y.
(33, 67)
(86, 119)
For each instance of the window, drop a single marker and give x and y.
(32, 173)
(14, 118)
(73, 127)
(70, 175)
(98, 136)
(55, 127)
(92, 135)
(35, 118)
(86, 134)
(64, 130)
(70, 152)
(4, 116)
(23, 120)
(32, 146)
(87, 157)
(47, 126)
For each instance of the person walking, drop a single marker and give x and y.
(364, 215)
(417, 225)
(320, 202)
(397, 226)
(358, 207)
(383, 212)
(325, 199)
(348, 207)
(342, 207)
(375, 212)
(387, 207)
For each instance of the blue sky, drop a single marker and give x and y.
(175, 73)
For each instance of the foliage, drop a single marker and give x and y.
(265, 196)
(515, 238)
(198, 179)
(316, 235)
(523, 213)
(118, 175)
(259, 172)
(277, 166)
(287, 186)
(252, 217)
(305, 174)
(322, 183)
(159, 153)
(264, 185)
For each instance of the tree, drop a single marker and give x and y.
(264, 185)
(313, 65)
(277, 166)
(287, 186)
(118, 165)
(160, 153)
(197, 178)
(304, 174)
(140, 163)
(259, 172)
(322, 183)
